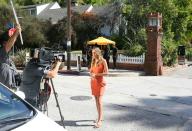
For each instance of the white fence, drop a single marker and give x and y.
(128, 59)
(121, 58)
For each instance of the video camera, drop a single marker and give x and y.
(48, 56)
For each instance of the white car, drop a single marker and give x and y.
(17, 115)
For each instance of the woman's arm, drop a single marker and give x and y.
(91, 72)
(12, 39)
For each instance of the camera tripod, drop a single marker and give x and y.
(44, 97)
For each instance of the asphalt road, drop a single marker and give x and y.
(131, 102)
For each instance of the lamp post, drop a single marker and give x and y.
(153, 61)
(68, 34)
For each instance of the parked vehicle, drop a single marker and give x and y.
(18, 115)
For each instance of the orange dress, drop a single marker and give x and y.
(97, 83)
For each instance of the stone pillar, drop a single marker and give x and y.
(153, 59)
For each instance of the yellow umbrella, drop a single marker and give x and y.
(100, 41)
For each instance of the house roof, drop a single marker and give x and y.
(106, 11)
(57, 14)
(103, 11)
(50, 5)
(80, 9)
(53, 14)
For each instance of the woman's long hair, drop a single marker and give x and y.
(99, 55)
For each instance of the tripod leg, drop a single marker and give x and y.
(55, 94)
(47, 109)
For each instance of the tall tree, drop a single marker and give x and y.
(134, 15)
(176, 22)
(6, 17)
(32, 29)
(86, 28)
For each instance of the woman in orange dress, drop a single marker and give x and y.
(98, 69)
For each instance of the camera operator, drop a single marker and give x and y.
(32, 76)
(7, 67)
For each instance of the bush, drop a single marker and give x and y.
(189, 54)
(119, 41)
(135, 50)
(20, 57)
(169, 52)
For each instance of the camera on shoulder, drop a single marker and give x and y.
(46, 55)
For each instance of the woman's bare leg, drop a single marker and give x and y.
(100, 112)
(97, 105)
(100, 108)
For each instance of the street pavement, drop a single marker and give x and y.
(132, 101)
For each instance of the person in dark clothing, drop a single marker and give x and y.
(89, 56)
(84, 54)
(7, 67)
(33, 76)
(115, 55)
(106, 55)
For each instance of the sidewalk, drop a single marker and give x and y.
(169, 70)
(112, 72)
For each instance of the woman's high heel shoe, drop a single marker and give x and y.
(95, 121)
(98, 124)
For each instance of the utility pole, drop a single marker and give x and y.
(68, 34)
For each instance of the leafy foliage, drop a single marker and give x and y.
(169, 53)
(20, 57)
(86, 28)
(133, 12)
(177, 25)
(33, 30)
(5, 16)
(135, 50)
(96, 2)
(189, 54)
(3, 2)
(177, 19)
(57, 33)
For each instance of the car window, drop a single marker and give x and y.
(3, 98)
(13, 107)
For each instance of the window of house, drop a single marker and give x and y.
(33, 12)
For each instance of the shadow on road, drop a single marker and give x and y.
(187, 100)
(148, 114)
(78, 123)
